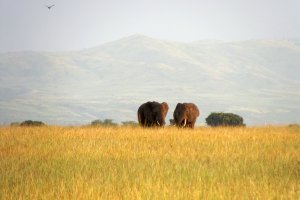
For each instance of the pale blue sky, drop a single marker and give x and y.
(77, 24)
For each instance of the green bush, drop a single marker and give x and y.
(172, 122)
(97, 122)
(130, 123)
(32, 123)
(294, 127)
(224, 119)
(15, 124)
(106, 122)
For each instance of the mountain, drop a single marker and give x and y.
(257, 79)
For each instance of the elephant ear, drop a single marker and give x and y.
(165, 106)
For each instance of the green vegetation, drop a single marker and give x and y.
(106, 122)
(32, 123)
(172, 122)
(15, 124)
(130, 123)
(134, 163)
(224, 119)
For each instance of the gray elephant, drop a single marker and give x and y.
(185, 115)
(152, 114)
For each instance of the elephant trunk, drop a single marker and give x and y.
(182, 122)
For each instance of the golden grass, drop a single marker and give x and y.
(136, 163)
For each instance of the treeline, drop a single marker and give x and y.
(109, 122)
(214, 119)
(28, 123)
(98, 122)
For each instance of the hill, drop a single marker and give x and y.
(257, 79)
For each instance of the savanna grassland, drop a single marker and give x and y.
(134, 163)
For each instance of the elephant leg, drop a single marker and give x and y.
(142, 122)
(193, 123)
(189, 124)
(140, 119)
(148, 122)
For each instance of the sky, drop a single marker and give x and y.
(79, 24)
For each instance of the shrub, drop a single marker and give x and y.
(294, 127)
(130, 123)
(32, 123)
(15, 124)
(97, 122)
(106, 122)
(172, 122)
(224, 119)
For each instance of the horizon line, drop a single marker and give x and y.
(137, 35)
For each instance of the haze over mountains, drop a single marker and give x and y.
(257, 79)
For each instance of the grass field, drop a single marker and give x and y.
(134, 163)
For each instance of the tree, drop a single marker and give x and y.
(109, 122)
(130, 123)
(172, 122)
(32, 123)
(96, 122)
(106, 122)
(15, 124)
(224, 119)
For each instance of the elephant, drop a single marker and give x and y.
(185, 115)
(152, 114)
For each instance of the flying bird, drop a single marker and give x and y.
(49, 7)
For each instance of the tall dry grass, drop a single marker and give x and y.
(136, 163)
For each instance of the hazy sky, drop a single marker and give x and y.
(77, 24)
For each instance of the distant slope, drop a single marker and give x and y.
(258, 79)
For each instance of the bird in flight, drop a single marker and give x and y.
(49, 7)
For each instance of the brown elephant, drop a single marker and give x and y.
(185, 115)
(152, 114)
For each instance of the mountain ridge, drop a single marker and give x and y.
(259, 82)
